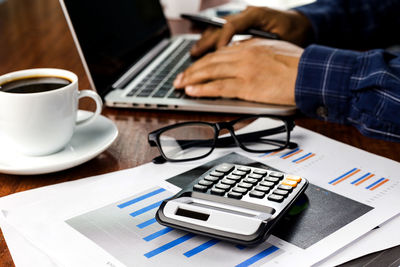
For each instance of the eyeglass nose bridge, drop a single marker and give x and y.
(228, 126)
(224, 125)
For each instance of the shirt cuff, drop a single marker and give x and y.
(322, 85)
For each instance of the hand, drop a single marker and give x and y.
(257, 70)
(291, 26)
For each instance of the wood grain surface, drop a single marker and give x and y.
(33, 33)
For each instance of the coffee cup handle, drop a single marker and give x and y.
(97, 100)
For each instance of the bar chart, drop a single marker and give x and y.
(130, 225)
(357, 177)
(296, 155)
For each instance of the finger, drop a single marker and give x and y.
(235, 24)
(207, 42)
(204, 62)
(218, 88)
(210, 72)
(211, 58)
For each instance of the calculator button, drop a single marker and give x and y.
(211, 178)
(262, 188)
(244, 169)
(285, 187)
(235, 195)
(228, 182)
(225, 168)
(257, 194)
(281, 192)
(250, 180)
(216, 174)
(233, 177)
(272, 179)
(245, 185)
(267, 183)
(255, 176)
(260, 171)
(293, 178)
(276, 175)
(223, 186)
(239, 190)
(276, 198)
(200, 188)
(289, 183)
(205, 183)
(239, 173)
(216, 191)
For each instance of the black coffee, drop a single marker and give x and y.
(34, 85)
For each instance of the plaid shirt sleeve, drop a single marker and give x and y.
(357, 24)
(357, 88)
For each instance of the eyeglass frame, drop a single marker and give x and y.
(154, 136)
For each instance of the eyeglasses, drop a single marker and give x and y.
(196, 139)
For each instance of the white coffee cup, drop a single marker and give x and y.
(42, 123)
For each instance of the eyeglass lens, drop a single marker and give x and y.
(187, 141)
(261, 134)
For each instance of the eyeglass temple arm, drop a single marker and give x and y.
(229, 140)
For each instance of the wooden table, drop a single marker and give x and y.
(34, 34)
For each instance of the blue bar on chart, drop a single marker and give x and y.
(344, 176)
(145, 209)
(258, 256)
(169, 245)
(362, 177)
(159, 233)
(376, 184)
(290, 153)
(146, 223)
(303, 158)
(201, 248)
(135, 200)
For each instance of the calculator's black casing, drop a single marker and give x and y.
(260, 235)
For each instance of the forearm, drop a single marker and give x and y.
(358, 88)
(354, 24)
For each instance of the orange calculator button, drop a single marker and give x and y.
(289, 183)
(293, 178)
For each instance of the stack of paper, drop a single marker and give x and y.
(108, 220)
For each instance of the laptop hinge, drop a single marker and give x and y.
(141, 64)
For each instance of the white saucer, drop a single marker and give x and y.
(87, 142)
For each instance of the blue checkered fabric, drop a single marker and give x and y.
(350, 87)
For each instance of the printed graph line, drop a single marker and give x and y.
(145, 209)
(363, 179)
(169, 245)
(271, 153)
(159, 233)
(306, 157)
(345, 176)
(201, 248)
(258, 256)
(135, 200)
(376, 184)
(291, 153)
(302, 157)
(146, 223)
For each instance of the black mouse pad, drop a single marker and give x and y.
(316, 215)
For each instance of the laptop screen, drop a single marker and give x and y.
(113, 35)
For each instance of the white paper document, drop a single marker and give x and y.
(109, 220)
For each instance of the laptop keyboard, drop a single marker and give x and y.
(159, 82)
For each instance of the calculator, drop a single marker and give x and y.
(236, 203)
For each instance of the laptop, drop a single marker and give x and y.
(131, 60)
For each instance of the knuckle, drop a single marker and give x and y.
(229, 27)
